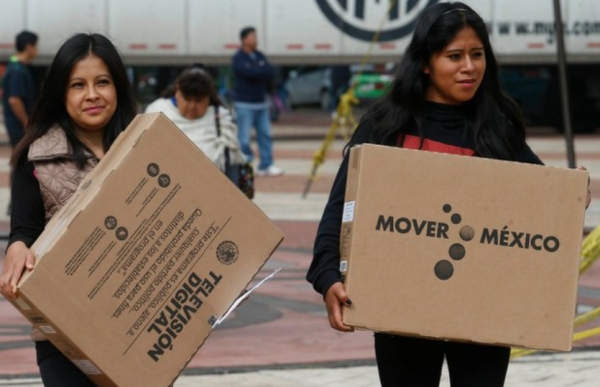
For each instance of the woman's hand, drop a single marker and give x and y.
(589, 194)
(334, 298)
(18, 258)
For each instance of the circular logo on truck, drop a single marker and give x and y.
(361, 19)
(227, 252)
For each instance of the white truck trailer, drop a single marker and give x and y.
(293, 32)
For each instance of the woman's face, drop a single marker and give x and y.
(91, 98)
(457, 70)
(191, 108)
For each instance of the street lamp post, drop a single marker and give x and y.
(564, 87)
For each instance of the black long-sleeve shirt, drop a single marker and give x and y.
(27, 219)
(444, 132)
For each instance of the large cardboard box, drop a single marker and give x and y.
(149, 253)
(461, 248)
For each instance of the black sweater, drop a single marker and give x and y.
(444, 132)
(27, 219)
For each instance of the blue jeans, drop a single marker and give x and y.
(247, 118)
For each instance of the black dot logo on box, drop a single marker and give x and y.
(153, 169)
(164, 180)
(467, 233)
(444, 268)
(122, 233)
(227, 252)
(457, 251)
(110, 222)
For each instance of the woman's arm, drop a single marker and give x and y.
(324, 270)
(27, 218)
(26, 224)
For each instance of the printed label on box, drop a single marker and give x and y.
(87, 367)
(348, 212)
(47, 329)
(343, 266)
(22, 304)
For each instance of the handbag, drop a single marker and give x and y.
(245, 180)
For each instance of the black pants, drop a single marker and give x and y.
(415, 362)
(56, 369)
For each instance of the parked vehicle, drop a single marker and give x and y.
(308, 86)
(312, 85)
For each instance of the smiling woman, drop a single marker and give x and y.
(91, 101)
(85, 102)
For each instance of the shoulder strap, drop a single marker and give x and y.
(217, 120)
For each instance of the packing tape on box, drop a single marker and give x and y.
(214, 321)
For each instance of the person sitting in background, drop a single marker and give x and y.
(193, 105)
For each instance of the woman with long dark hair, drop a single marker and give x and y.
(446, 98)
(85, 103)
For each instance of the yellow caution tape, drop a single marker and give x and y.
(587, 317)
(516, 353)
(344, 117)
(590, 250)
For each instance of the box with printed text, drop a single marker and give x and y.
(462, 248)
(145, 258)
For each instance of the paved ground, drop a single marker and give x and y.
(280, 336)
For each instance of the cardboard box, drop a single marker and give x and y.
(461, 248)
(147, 255)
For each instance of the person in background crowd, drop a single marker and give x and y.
(193, 104)
(252, 76)
(18, 86)
(445, 98)
(86, 101)
(19, 89)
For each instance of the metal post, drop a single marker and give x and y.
(564, 87)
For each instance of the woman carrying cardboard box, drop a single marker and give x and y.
(446, 98)
(85, 103)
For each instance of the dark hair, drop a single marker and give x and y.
(50, 109)
(493, 120)
(194, 83)
(25, 38)
(246, 31)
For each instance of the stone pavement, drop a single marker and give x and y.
(580, 369)
(280, 336)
